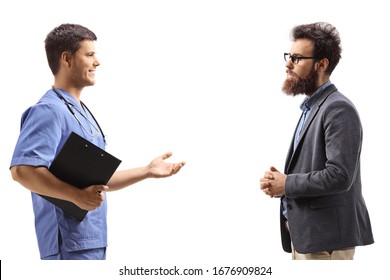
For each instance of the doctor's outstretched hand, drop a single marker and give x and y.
(159, 168)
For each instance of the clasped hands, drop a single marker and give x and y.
(273, 183)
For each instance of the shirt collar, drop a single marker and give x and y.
(69, 98)
(308, 102)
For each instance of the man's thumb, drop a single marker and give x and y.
(273, 169)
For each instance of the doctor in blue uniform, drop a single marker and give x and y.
(45, 126)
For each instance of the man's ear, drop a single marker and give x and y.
(66, 59)
(322, 64)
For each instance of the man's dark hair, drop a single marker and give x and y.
(326, 41)
(66, 37)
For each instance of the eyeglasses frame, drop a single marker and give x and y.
(297, 58)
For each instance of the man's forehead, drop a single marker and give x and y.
(87, 46)
(300, 46)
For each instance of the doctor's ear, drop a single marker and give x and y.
(322, 64)
(66, 58)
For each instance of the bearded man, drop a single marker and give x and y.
(323, 215)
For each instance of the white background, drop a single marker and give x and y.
(201, 79)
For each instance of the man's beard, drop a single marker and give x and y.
(295, 85)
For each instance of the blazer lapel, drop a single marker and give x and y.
(314, 111)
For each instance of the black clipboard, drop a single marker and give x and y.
(81, 164)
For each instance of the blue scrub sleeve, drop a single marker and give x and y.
(39, 137)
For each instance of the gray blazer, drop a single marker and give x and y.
(325, 206)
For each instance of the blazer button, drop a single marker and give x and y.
(289, 206)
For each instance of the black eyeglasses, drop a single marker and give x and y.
(296, 58)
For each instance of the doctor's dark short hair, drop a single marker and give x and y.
(66, 37)
(326, 41)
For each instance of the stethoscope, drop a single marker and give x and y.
(70, 106)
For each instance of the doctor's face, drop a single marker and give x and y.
(301, 75)
(84, 64)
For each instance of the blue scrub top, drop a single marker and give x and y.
(44, 129)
